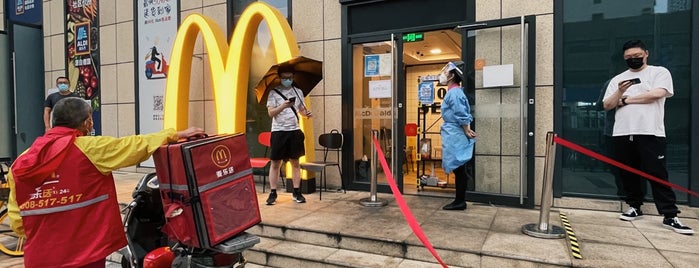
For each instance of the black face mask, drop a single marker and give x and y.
(634, 63)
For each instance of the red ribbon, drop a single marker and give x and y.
(618, 164)
(409, 217)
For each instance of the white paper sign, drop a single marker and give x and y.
(498, 75)
(379, 89)
(385, 64)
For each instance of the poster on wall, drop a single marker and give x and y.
(157, 27)
(82, 51)
(25, 11)
(425, 93)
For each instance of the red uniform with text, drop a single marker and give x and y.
(207, 189)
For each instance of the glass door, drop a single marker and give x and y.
(499, 57)
(374, 110)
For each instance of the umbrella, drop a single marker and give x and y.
(307, 73)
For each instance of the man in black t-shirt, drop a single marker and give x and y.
(63, 85)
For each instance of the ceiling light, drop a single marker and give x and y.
(435, 51)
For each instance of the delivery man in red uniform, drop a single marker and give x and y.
(63, 196)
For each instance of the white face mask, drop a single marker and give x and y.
(442, 79)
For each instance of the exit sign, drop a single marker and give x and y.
(413, 37)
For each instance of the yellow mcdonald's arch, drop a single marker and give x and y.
(229, 78)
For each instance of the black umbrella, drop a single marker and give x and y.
(307, 73)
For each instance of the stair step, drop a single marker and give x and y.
(273, 252)
(279, 248)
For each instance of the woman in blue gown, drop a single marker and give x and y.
(458, 139)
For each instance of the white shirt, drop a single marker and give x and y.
(642, 119)
(285, 120)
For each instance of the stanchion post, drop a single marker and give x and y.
(373, 200)
(543, 229)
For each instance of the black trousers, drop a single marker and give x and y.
(645, 153)
(461, 176)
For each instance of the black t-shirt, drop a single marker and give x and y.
(53, 98)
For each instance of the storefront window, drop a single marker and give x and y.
(257, 118)
(593, 35)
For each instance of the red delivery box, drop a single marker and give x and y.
(207, 189)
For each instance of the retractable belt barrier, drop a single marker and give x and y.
(542, 229)
(407, 214)
(618, 164)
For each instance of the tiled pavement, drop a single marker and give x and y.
(484, 235)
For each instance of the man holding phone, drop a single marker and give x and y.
(284, 104)
(638, 95)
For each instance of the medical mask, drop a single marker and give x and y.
(634, 63)
(286, 82)
(63, 87)
(442, 79)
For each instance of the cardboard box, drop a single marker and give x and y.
(207, 189)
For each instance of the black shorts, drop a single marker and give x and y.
(287, 145)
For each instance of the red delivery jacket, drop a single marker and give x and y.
(63, 196)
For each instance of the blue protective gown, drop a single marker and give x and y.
(457, 148)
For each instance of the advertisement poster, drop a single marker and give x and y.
(82, 50)
(157, 27)
(25, 11)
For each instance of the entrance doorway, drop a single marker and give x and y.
(387, 71)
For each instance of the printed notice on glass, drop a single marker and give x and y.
(379, 89)
(371, 65)
(498, 75)
(385, 64)
(377, 65)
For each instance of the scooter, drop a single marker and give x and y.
(152, 70)
(147, 246)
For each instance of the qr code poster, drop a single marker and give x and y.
(158, 103)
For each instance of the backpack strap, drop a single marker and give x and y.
(285, 98)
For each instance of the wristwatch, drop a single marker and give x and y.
(623, 101)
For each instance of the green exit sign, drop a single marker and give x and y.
(413, 37)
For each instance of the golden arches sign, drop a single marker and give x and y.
(229, 77)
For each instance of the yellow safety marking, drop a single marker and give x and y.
(574, 245)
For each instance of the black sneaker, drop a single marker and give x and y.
(675, 225)
(272, 198)
(631, 214)
(298, 197)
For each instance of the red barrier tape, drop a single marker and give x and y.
(618, 164)
(403, 206)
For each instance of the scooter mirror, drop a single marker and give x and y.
(153, 183)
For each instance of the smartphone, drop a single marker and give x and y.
(293, 99)
(634, 81)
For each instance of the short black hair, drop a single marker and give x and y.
(457, 77)
(285, 68)
(632, 44)
(62, 77)
(71, 112)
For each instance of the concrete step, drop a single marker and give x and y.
(284, 246)
(273, 252)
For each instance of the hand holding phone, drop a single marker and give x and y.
(634, 81)
(292, 99)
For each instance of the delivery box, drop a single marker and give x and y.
(207, 189)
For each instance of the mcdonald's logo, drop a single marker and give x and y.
(229, 77)
(221, 156)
